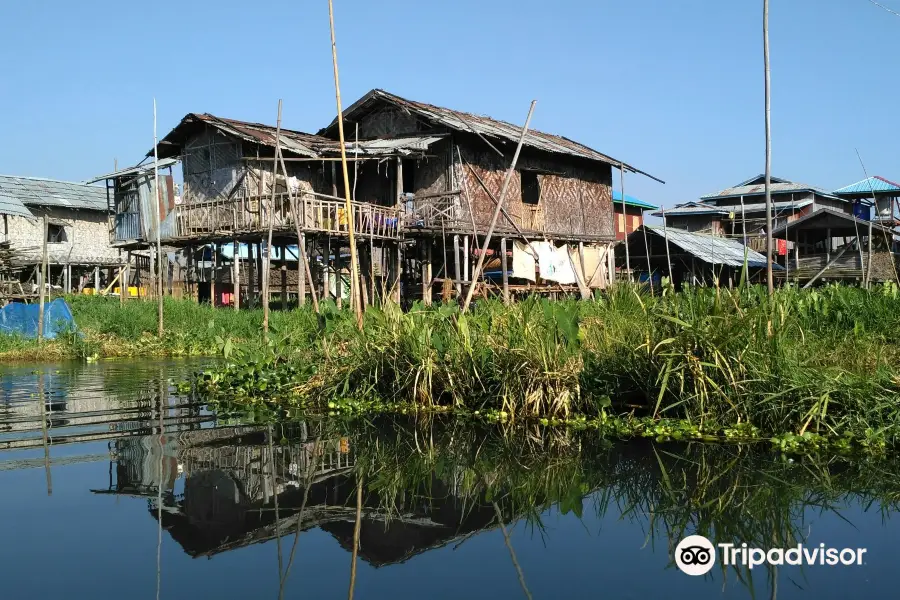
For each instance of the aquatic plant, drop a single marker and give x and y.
(809, 363)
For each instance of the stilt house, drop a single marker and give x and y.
(425, 182)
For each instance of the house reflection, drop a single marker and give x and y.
(219, 494)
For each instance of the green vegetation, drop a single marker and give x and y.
(806, 369)
(108, 329)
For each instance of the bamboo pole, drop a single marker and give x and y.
(354, 259)
(43, 280)
(356, 530)
(301, 246)
(268, 262)
(158, 226)
(45, 435)
(624, 221)
(500, 200)
(770, 278)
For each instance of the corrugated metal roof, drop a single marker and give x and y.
(872, 184)
(710, 248)
(484, 126)
(295, 142)
(49, 192)
(10, 205)
(693, 208)
(858, 224)
(402, 145)
(142, 168)
(760, 189)
(699, 208)
(631, 201)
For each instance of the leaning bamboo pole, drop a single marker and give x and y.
(355, 299)
(497, 209)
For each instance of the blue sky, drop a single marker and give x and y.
(675, 88)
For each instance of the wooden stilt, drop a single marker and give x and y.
(236, 274)
(457, 270)
(301, 275)
(43, 287)
(505, 272)
(326, 272)
(428, 272)
(284, 291)
(338, 278)
(251, 276)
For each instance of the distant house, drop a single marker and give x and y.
(690, 258)
(629, 215)
(78, 245)
(883, 193)
(740, 211)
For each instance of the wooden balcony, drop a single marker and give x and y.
(249, 216)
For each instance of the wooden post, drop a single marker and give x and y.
(500, 200)
(284, 292)
(355, 299)
(457, 272)
(504, 269)
(44, 432)
(97, 280)
(624, 221)
(868, 271)
(466, 262)
(156, 210)
(828, 244)
(301, 276)
(271, 217)
(326, 272)
(770, 278)
(251, 278)
(43, 279)
(236, 274)
(339, 279)
(398, 188)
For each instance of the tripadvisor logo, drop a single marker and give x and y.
(696, 555)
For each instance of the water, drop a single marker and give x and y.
(104, 504)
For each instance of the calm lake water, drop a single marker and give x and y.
(102, 499)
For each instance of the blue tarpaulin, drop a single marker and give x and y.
(22, 319)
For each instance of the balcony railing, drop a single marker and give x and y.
(316, 213)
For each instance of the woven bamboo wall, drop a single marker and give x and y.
(574, 199)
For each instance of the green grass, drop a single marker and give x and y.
(823, 362)
(108, 329)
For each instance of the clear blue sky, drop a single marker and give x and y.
(673, 87)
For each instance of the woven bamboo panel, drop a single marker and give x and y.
(574, 200)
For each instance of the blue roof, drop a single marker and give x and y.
(632, 201)
(871, 184)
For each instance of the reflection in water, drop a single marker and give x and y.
(391, 490)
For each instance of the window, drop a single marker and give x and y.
(531, 187)
(56, 234)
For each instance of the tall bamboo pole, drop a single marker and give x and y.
(268, 262)
(43, 280)
(354, 259)
(624, 220)
(497, 209)
(159, 290)
(770, 280)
